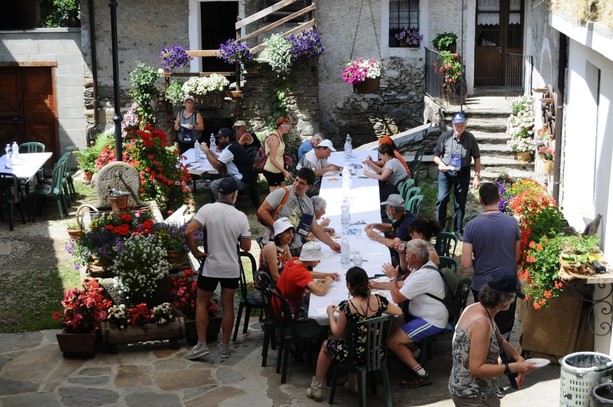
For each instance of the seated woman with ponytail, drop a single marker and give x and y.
(361, 306)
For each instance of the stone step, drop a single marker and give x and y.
(495, 149)
(504, 160)
(491, 138)
(490, 174)
(487, 125)
(482, 113)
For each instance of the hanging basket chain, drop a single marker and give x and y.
(357, 27)
(374, 28)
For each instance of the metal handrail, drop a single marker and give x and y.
(517, 74)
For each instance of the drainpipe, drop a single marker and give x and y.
(94, 60)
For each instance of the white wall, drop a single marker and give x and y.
(62, 45)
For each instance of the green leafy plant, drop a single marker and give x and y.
(144, 91)
(450, 66)
(86, 158)
(60, 13)
(277, 99)
(445, 42)
(174, 92)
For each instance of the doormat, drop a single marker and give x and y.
(5, 249)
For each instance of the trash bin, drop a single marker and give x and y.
(602, 395)
(580, 373)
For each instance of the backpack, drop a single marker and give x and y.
(449, 301)
(261, 156)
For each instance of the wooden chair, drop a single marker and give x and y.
(414, 204)
(416, 163)
(446, 243)
(290, 332)
(248, 301)
(374, 354)
(10, 195)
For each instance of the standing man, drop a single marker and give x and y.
(317, 160)
(294, 204)
(230, 231)
(453, 153)
(428, 316)
(491, 243)
(310, 144)
(233, 156)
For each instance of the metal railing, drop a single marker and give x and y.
(517, 75)
(436, 79)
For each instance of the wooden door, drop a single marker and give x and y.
(498, 31)
(28, 108)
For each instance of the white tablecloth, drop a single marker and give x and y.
(364, 208)
(26, 165)
(197, 167)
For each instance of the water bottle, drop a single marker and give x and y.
(9, 157)
(346, 180)
(345, 216)
(357, 260)
(345, 251)
(15, 150)
(197, 151)
(348, 148)
(212, 141)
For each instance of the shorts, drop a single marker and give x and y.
(419, 329)
(210, 283)
(274, 179)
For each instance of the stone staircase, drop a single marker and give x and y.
(487, 120)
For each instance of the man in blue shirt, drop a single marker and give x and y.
(309, 144)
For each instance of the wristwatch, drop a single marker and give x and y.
(507, 369)
(478, 175)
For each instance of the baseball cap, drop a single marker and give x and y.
(188, 97)
(326, 143)
(239, 123)
(228, 185)
(311, 251)
(505, 282)
(458, 117)
(394, 200)
(281, 225)
(224, 131)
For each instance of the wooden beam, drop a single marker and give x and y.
(278, 22)
(262, 13)
(295, 30)
(203, 52)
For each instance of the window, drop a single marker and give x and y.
(403, 15)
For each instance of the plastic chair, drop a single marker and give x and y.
(410, 193)
(289, 331)
(11, 194)
(34, 147)
(416, 163)
(446, 243)
(68, 180)
(448, 263)
(414, 204)
(247, 301)
(404, 185)
(374, 354)
(263, 282)
(55, 190)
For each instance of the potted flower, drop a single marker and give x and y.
(409, 37)
(139, 266)
(445, 42)
(547, 154)
(363, 74)
(208, 90)
(74, 230)
(84, 310)
(130, 121)
(173, 239)
(520, 127)
(235, 52)
(450, 66)
(174, 57)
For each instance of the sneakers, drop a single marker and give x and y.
(224, 352)
(197, 351)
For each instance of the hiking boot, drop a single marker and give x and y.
(314, 392)
(197, 351)
(224, 352)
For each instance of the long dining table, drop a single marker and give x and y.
(365, 208)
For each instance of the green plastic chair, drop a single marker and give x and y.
(413, 204)
(10, 195)
(247, 301)
(446, 243)
(55, 190)
(404, 185)
(34, 147)
(416, 163)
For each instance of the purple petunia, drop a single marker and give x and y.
(174, 57)
(235, 52)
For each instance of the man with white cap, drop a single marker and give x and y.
(244, 137)
(453, 153)
(296, 277)
(317, 160)
(309, 144)
(189, 124)
(228, 232)
(395, 232)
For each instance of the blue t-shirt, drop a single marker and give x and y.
(304, 148)
(401, 227)
(493, 237)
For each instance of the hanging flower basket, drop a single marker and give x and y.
(368, 85)
(523, 156)
(211, 101)
(548, 167)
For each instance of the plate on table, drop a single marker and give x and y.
(332, 179)
(539, 362)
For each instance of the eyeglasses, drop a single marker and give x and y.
(287, 126)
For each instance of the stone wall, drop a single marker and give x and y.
(62, 45)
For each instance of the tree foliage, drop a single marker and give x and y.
(60, 13)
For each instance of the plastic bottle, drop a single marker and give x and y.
(9, 156)
(345, 251)
(357, 259)
(15, 150)
(346, 180)
(348, 148)
(197, 151)
(212, 141)
(345, 216)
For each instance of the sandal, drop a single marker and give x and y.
(415, 382)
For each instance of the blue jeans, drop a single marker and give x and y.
(460, 183)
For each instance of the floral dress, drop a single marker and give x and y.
(337, 348)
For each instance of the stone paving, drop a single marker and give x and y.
(33, 372)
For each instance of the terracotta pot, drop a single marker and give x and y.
(87, 176)
(178, 259)
(119, 203)
(77, 345)
(548, 167)
(367, 86)
(74, 233)
(523, 156)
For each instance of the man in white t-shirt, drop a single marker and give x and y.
(228, 230)
(428, 316)
(317, 160)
